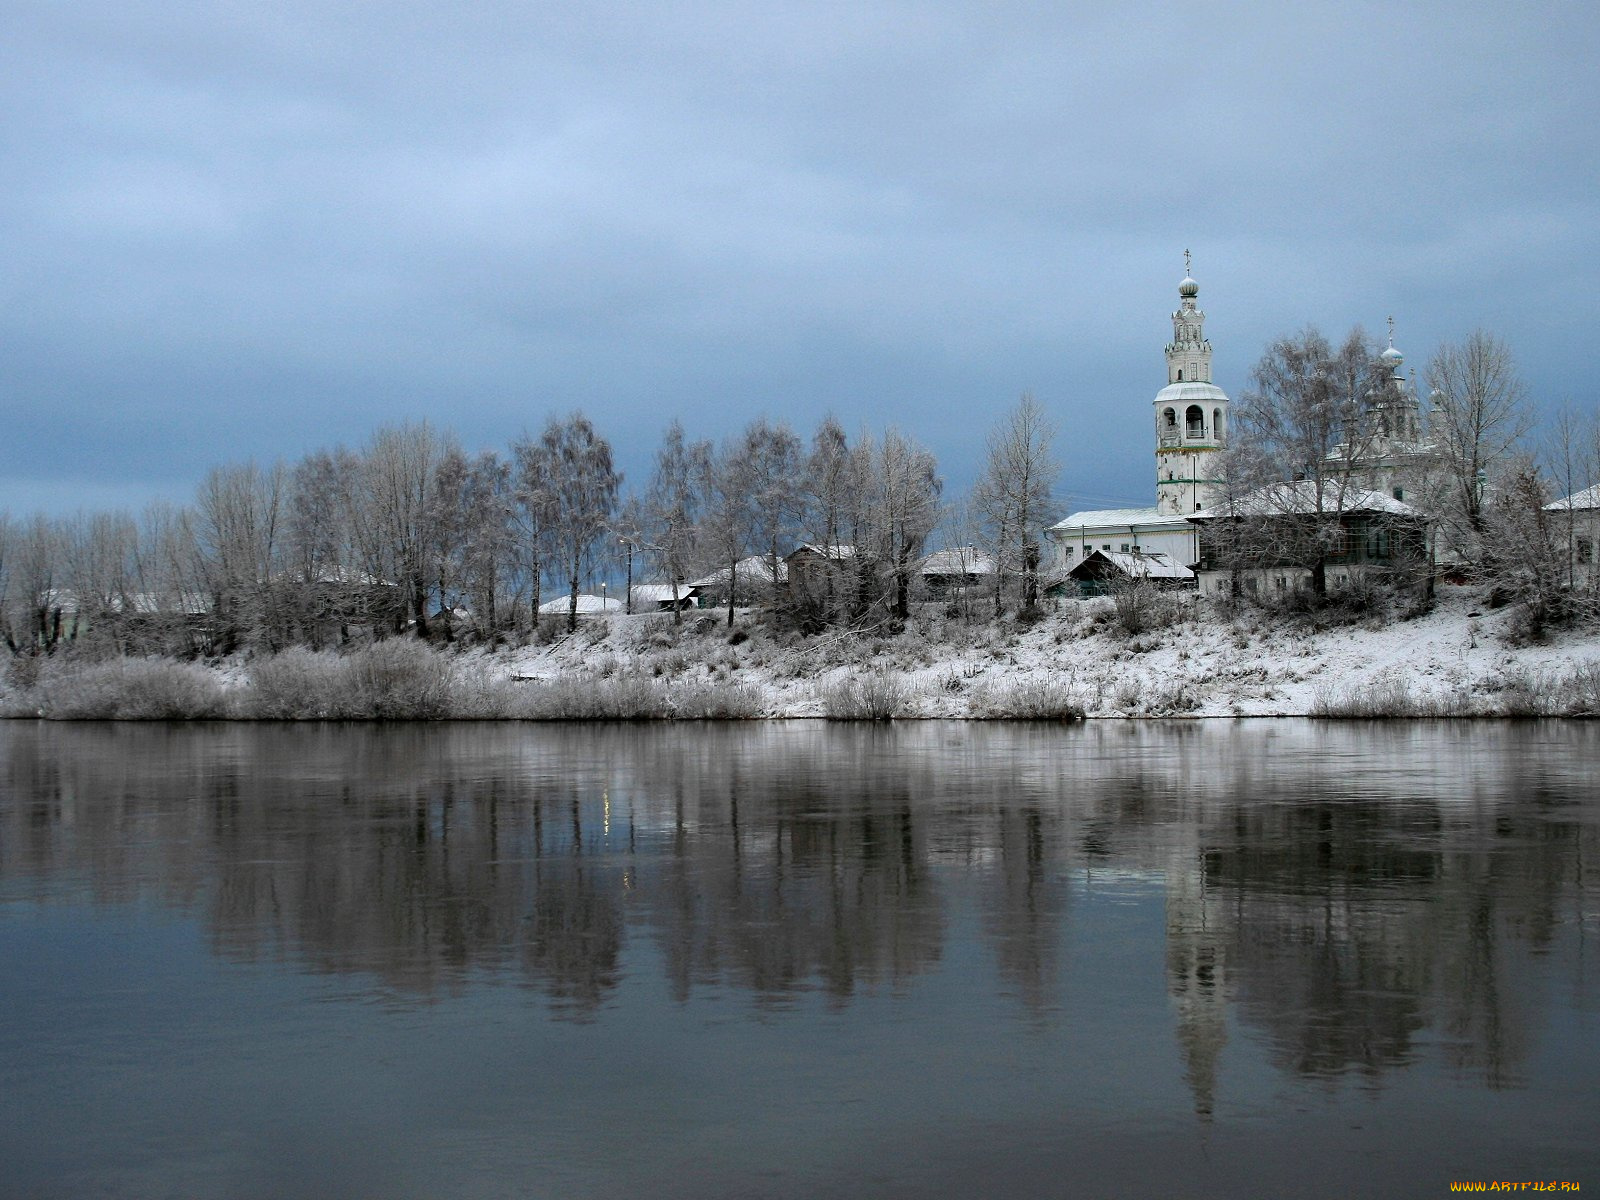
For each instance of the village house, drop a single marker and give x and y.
(1273, 539)
(1579, 518)
(1104, 570)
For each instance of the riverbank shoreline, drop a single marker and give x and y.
(1076, 661)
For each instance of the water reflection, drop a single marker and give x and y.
(1355, 898)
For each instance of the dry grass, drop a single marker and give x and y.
(864, 696)
(1029, 700)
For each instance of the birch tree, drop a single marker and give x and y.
(1014, 498)
(907, 510)
(580, 485)
(672, 509)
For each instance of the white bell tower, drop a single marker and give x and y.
(1191, 411)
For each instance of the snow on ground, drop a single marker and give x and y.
(1208, 664)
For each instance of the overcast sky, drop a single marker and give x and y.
(239, 230)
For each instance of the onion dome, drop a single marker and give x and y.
(1188, 289)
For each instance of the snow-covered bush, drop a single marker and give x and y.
(134, 689)
(716, 702)
(864, 696)
(297, 685)
(1029, 700)
(397, 680)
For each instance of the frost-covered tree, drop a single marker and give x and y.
(1306, 419)
(769, 463)
(239, 526)
(1014, 498)
(1478, 417)
(906, 488)
(578, 484)
(671, 510)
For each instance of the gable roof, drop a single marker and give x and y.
(1299, 499)
(755, 569)
(1588, 499)
(959, 560)
(586, 604)
(1115, 518)
(1134, 566)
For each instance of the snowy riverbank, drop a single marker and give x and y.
(1455, 659)
(1075, 660)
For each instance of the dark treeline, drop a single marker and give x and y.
(409, 533)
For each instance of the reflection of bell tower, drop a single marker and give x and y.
(1196, 968)
(1191, 411)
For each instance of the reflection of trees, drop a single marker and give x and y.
(1336, 903)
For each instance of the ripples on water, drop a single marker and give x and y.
(796, 959)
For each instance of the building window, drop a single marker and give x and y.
(1124, 547)
(1194, 419)
(1250, 585)
(1399, 493)
(1066, 552)
(1171, 418)
(1585, 550)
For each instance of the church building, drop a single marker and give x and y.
(1191, 421)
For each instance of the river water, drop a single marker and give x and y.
(796, 959)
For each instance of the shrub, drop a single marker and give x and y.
(134, 689)
(1386, 695)
(298, 685)
(865, 696)
(1139, 605)
(1030, 700)
(716, 702)
(628, 697)
(398, 680)
(1172, 698)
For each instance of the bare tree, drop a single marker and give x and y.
(39, 614)
(672, 509)
(580, 483)
(836, 488)
(397, 510)
(240, 514)
(726, 516)
(1307, 419)
(905, 511)
(769, 465)
(1522, 540)
(1014, 497)
(98, 557)
(1478, 418)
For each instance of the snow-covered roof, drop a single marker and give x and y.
(755, 569)
(839, 552)
(587, 604)
(658, 593)
(1191, 393)
(1118, 518)
(958, 560)
(1589, 498)
(1300, 499)
(1137, 566)
(191, 604)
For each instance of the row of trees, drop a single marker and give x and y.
(410, 532)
